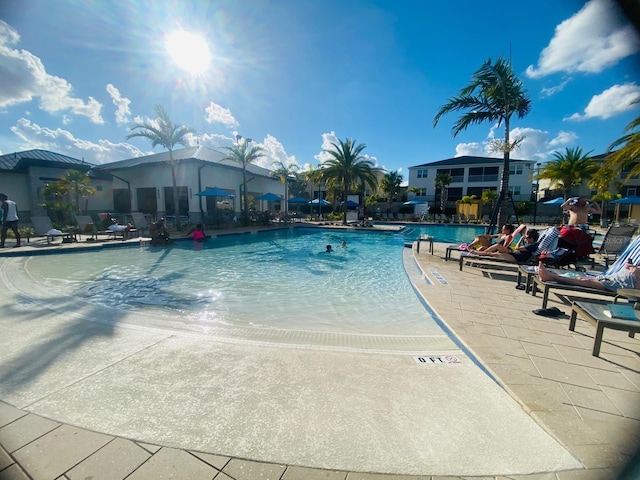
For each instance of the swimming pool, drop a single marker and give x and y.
(264, 285)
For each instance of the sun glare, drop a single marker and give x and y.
(189, 51)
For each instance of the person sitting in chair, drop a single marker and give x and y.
(521, 254)
(159, 233)
(482, 242)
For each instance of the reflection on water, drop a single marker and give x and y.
(282, 280)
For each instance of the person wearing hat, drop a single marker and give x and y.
(9, 219)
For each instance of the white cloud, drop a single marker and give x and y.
(547, 92)
(25, 78)
(592, 40)
(613, 101)
(63, 141)
(218, 114)
(122, 111)
(275, 152)
(535, 144)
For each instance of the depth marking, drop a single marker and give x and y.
(437, 360)
(438, 277)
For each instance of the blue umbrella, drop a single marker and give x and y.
(555, 201)
(214, 192)
(298, 200)
(322, 202)
(269, 197)
(350, 203)
(627, 201)
(415, 202)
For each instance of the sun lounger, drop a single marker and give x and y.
(87, 227)
(44, 228)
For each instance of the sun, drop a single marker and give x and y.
(189, 51)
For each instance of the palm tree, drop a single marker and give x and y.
(346, 167)
(284, 172)
(390, 185)
(77, 182)
(442, 181)
(569, 169)
(162, 131)
(243, 155)
(605, 182)
(494, 94)
(629, 153)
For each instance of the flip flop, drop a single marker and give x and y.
(548, 312)
(520, 287)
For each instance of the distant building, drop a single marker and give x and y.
(471, 176)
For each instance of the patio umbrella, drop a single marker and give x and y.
(214, 192)
(298, 200)
(625, 201)
(350, 203)
(269, 197)
(555, 201)
(415, 202)
(323, 202)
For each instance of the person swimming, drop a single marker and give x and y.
(329, 249)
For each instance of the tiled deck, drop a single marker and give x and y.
(590, 405)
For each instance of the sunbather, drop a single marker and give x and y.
(116, 227)
(521, 254)
(482, 242)
(626, 277)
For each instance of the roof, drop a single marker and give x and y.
(199, 153)
(468, 160)
(22, 160)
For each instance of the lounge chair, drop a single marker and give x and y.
(615, 241)
(140, 221)
(85, 223)
(44, 228)
(631, 253)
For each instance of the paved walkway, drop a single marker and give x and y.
(590, 405)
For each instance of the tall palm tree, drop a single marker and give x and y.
(77, 182)
(162, 131)
(441, 182)
(390, 185)
(628, 154)
(283, 172)
(605, 183)
(346, 167)
(494, 94)
(569, 169)
(243, 154)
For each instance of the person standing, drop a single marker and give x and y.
(579, 209)
(9, 219)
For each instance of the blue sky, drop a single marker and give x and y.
(294, 75)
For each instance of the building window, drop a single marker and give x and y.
(422, 173)
(422, 193)
(483, 174)
(457, 174)
(631, 191)
(515, 169)
(454, 194)
(515, 191)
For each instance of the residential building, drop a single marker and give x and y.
(471, 176)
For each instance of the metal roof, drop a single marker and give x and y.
(200, 153)
(468, 160)
(20, 160)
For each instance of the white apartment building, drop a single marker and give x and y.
(471, 176)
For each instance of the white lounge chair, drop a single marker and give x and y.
(44, 228)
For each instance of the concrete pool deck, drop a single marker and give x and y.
(589, 405)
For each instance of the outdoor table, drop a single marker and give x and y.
(425, 239)
(594, 314)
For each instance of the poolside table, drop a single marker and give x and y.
(594, 314)
(425, 239)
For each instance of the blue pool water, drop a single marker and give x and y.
(280, 280)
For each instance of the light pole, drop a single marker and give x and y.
(242, 147)
(537, 188)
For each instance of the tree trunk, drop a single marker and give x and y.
(503, 212)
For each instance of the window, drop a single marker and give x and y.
(515, 169)
(477, 191)
(454, 194)
(422, 173)
(515, 191)
(631, 191)
(422, 193)
(483, 174)
(457, 174)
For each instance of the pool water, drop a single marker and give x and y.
(279, 280)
